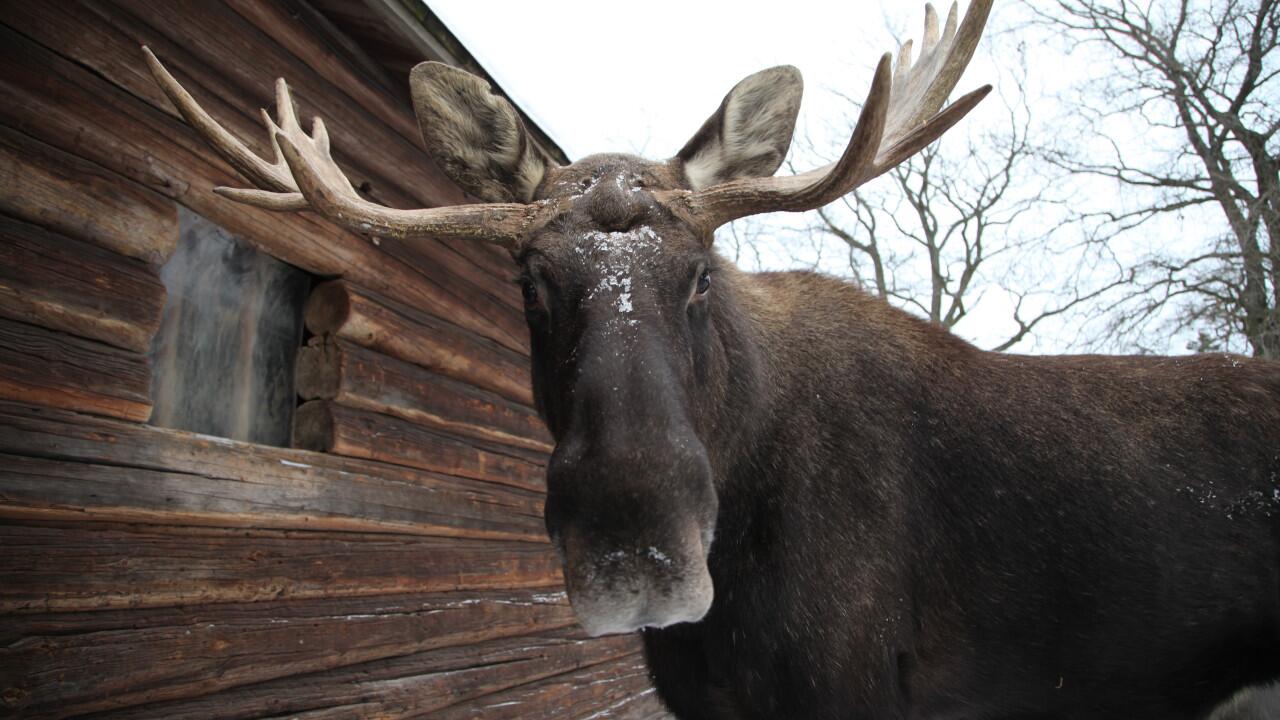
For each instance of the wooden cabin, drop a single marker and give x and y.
(251, 464)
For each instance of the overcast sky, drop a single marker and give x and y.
(642, 77)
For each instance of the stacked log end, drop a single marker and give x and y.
(404, 569)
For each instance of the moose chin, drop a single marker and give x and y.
(812, 504)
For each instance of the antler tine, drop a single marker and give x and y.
(900, 116)
(903, 64)
(305, 176)
(273, 177)
(503, 223)
(930, 38)
(923, 89)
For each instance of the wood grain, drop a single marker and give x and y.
(594, 691)
(68, 195)
(73, 567)
(333, 369)
(356, 314)
(230, 66)
(60, 283)
(328, 427)
(73, 109)
(94, 469)
(63, 664)
(43, 367)
(407, 686)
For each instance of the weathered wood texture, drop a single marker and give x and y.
(44, 367)
(62, 664)
(150, 572)
(57, 282)
(75, 80)
(333, 369)
(92, 469)
(408, 686)
(351, 313)
(64, 567)
(325, 426)
(66, 194)
(603, 690)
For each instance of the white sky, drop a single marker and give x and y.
(642, 77)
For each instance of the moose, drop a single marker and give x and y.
(812, 504)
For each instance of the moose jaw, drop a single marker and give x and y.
(814, 505)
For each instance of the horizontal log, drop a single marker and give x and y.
(404, 687)
(589, 692)
(63, 664)
(232, 59)
(332, 369)
(43, 367)
(67, 567)
(328, 427)
(51, 280)
(355, 314)
(67, 106)
(90, 469)
(54, 189)
(298, 27)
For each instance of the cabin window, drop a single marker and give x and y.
(222, 362)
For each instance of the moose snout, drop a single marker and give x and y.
(634, 536)
(632, 586)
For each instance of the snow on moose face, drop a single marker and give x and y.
(616, 303)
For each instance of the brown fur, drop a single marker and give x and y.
(749, 134)
(818, 506)
(475, 135)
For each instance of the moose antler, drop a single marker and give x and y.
(305, 176)
(899, 118)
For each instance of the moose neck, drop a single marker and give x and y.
(806, 354)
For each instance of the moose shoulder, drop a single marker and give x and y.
(814, 505)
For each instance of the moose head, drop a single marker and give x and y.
(641, 368)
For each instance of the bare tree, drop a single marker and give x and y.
(959, 220)
(1198, 81)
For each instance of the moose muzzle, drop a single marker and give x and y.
(634, 536)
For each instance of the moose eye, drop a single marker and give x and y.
(704, 282)
(529, 291)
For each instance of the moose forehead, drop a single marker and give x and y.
(623, 172)
(612, 218)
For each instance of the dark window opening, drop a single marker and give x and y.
(222, 362)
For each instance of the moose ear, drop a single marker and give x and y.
(475, 135)
(750, 133)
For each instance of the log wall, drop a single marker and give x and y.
(394, 563)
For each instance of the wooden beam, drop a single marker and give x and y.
(297, 27)
(92, 469)
(593, 690)
(407, 686)
(328, 427)
(57, 664)
(68, 567)
(56, 190)
(357, 315)
(384, 155)
(43, 367)
(332, 369)
(71, 108)
(56, 282)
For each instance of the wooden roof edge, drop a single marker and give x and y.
(427, 33)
